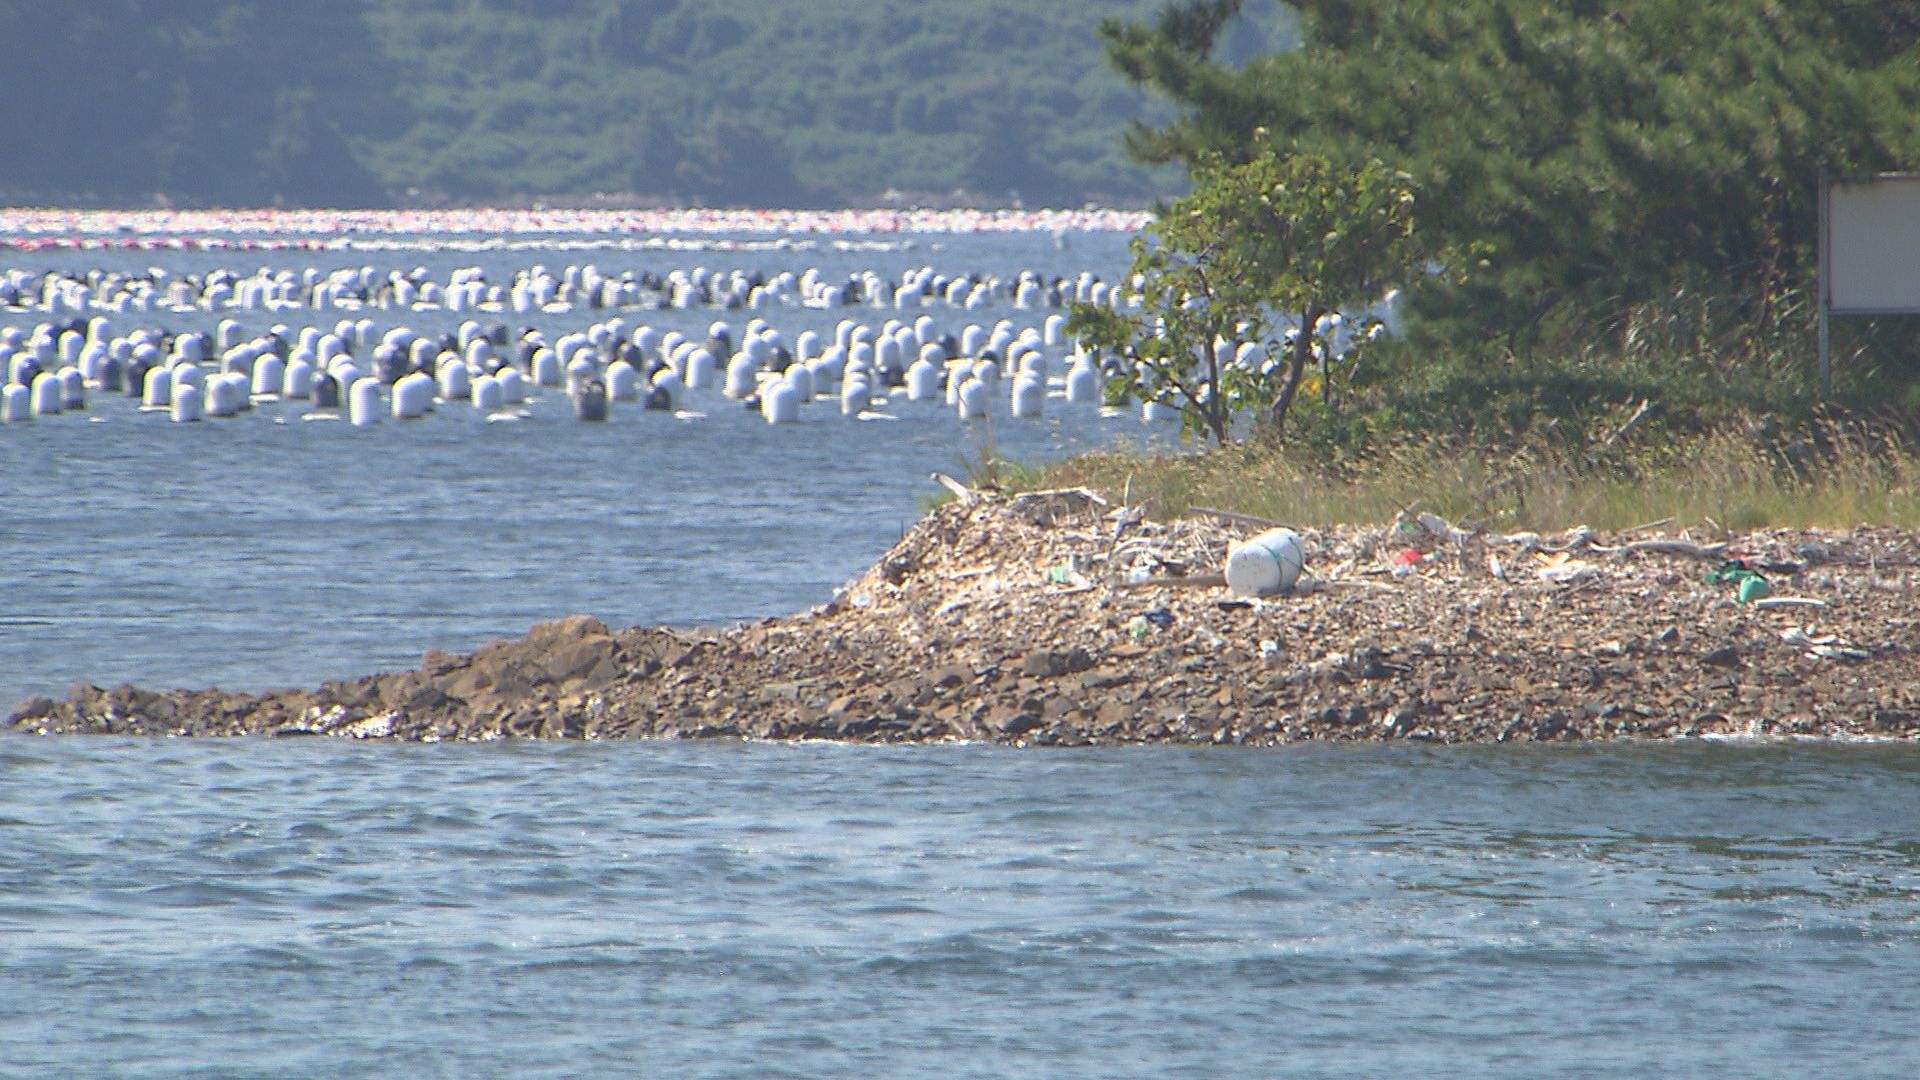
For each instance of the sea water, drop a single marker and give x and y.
(320, 909)
(316, 909)
(271, 550)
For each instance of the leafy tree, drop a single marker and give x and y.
(1608, 154)
(1261, 252)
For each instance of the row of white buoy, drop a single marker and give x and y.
(404, 374)
(537, 289)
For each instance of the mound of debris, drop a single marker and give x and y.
(1052, 618)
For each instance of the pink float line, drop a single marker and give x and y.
(28, 228)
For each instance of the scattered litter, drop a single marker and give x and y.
(1561, 567)
(1787, 601)
(1066, 573)
(1824, 646)
(1748, 583)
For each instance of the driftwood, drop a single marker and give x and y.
(1665, 547)
(1234, 518)
(967, 496)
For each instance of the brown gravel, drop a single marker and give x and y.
(1012, 621)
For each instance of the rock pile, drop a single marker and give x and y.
(1052, 619)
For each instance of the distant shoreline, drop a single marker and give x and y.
(41, 228)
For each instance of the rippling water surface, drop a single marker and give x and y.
(267, 550)
(312, 909)
(317, 909)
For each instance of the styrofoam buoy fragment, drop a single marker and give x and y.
(1268, 563)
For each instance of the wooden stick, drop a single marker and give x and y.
(1238, 519)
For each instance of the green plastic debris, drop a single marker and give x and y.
(1748, 583)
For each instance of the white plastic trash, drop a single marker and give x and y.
(1268, 563)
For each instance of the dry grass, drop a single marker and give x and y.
(1832, 474)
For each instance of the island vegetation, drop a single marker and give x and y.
(1600, 220)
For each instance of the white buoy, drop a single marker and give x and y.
(189, 404)
(546, 368)
(699, 369)
(49, 394)
(780, 403)
(73, 386)
(157, 393)
(513, 386)
(800, 377)
(974, 399)
(855, 395)
(226, 394)
(488, 395)
(1083, 383)
(923, 381)
(1029, 396)
(413, 395)
(16, 403)
(743, 376)
(296, 383)
(363, 402)
(187, 375)
(270, 375)
(456, 381)
(623, 381)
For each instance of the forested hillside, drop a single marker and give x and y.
(717, 102)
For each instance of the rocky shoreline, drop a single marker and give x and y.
(1053, 619)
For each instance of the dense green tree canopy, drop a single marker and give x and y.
(773, 102)
(1605, 154)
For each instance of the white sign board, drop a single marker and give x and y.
(1873, 246)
